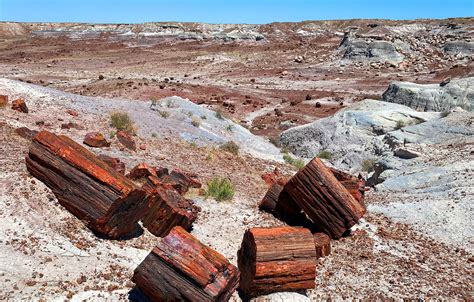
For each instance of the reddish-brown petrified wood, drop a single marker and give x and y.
(105, 200)
(166, 208)
(113, 162)
(142, 170)
(322, 242)
(355, 185)
(276, 259)
(180, 268)
(324, 199)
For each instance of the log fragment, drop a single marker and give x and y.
(105, 200)
(180, 268)
(322, 242)
(324, 199)
(113, 162)
(166, 208)
(276, 259)
(355, 185)
(142, 170)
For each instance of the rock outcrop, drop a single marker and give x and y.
(379, 51)
(433, 97)
(459, 48)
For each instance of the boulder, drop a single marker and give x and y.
(20, 105)
(127, 140)
(96, 140)
(433, 97)
(379, 51)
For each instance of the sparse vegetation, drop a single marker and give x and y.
(400, 124)
(275, 140)
(164, 113)
(196, 122)
(154, 135)
(219, 114)
(112, 134)
(189, 114)
(229, 127)
(368, 165)
(170, 103)
(230, 147)
(204, 117)
(324, 154)
(122, 122)
(220, 189)
(298, 163)
(445, 113)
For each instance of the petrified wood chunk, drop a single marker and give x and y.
(276, 259)
(166, 208)
(105, 200)
(126, 140)
(180, 268)
(20, 105)
(113, 162)
(322, 242)
(355, 185)
(96, 140)
(324, 199)
(3, 100)
(142, 170)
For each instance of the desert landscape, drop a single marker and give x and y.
(178, 106)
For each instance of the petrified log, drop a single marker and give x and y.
(276, 259)
(166, 208)
(105, 200)
(180, 268)
(282, 206)
(324, 199)
(322, 242)
(355, 185)
(177, 179)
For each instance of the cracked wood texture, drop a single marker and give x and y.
(324, 199)
(275, 260)
(180, 268)
(104, 199)
(166, 208)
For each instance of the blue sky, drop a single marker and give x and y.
(227, 11)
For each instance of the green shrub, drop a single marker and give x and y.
(231, 147)
(275, 140)
(368, 165)
(229, 127)
(295, 162)
(196, 122)
(170, 103)
(400, 124)
(219, 114)
(164, 113)
(220, 189)
(121, 121)
(154, 135)
(325, 154)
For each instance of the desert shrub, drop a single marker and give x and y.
(445, 113)
(219, 114)
(170, 103)
(230, 147)
(368, 165)
(325, 154)
(220, 189)
(154, 135)
(295, 162)
(204, 117)
(164, 113)
(112, 134)
(275, 140)
(400, 124)
(196, 122)
(229, 127)
(189, 114)
(121, 121)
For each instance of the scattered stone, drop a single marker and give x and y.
(126, 140)
(20, 105)
(405, 153)
(3, 100)
(72, 112)
(96, 140)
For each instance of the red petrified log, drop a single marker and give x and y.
(324, 199)
(276, 259)
(282, 206)
(167, 208)
(322, 242)
(105, 200)
(180, 268)
(126, 140)
(177, 179)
